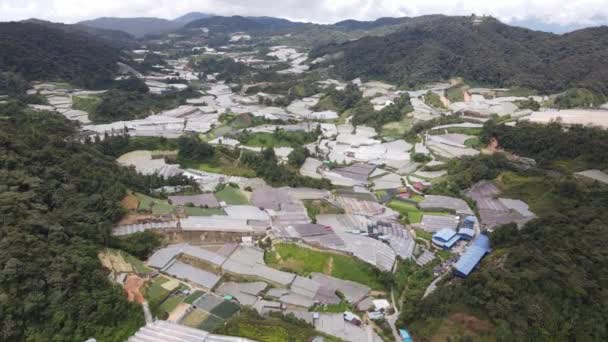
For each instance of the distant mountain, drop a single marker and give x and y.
(482, 50)
(137, 27)
(45, 52)
(351, 24)
(118, 39)
(189, 17)
(227, 24)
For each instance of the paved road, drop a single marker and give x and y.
(433, 285)
(147, 312)
(393, 318)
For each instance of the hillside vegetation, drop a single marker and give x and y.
(40, 52)
(58, 201)
(546, 281)
(436, 48)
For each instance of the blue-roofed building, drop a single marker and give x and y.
(472, 256)
(405, 335)
(466, 228)
(445, 238)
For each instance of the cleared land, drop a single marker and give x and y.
(305, 261)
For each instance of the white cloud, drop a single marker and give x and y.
(560, 12)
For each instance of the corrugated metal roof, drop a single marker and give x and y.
(473, 255)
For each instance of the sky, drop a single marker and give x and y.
(550, 15)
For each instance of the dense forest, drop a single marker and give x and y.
(131, 99)
(58, 201)
(39, 52)
(550, 143)
(434, 48)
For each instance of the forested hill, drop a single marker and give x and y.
(115, 38)
(58, 201)
(41, 52)
(485, 52)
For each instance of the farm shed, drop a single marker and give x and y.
(472, 256)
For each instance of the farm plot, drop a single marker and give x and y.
(210, 312)
(413, 213)
(232, 196)
(305, 261)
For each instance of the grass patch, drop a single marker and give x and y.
(171, 303)
(433, 100)
(424, 234)
(211, 323)
(284, 139)
(413, 213)
(195, 318)
(232, 195)
(320, 207)
(155, 205)
(155, 293)
(137, 264)
(396, 129)
(570, 166)
(344, 116)
(86, 103)
(197, 211)
(193, 297)
(535, 191)
(334, 308)
(455, 94)
(274, 328)
(305, 261)
(473, 143)
(518, 92)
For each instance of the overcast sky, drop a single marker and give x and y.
(545, 13)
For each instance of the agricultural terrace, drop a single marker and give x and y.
(320, 207)
(274, 328)
(161, 207)
(279, 138)
(232, 195)
(411, 211)
(304, 261)
(122, 262)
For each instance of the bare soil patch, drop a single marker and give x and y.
(130, 202)
(132, 285)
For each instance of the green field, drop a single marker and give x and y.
(320, 207)
(305, 261)
(171, 303)
(335, 308)
(455, 94)
(193, 296)
(396, 129)
(137, 264)
(249, 324)
(413, 213)
(535, 191)
(155, 293)
(157, 206)
(232, 195)
(197, 211)
(86, 103)
(423, 234)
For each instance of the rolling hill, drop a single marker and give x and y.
(137, 27)
(487, 52)
(42, 52)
